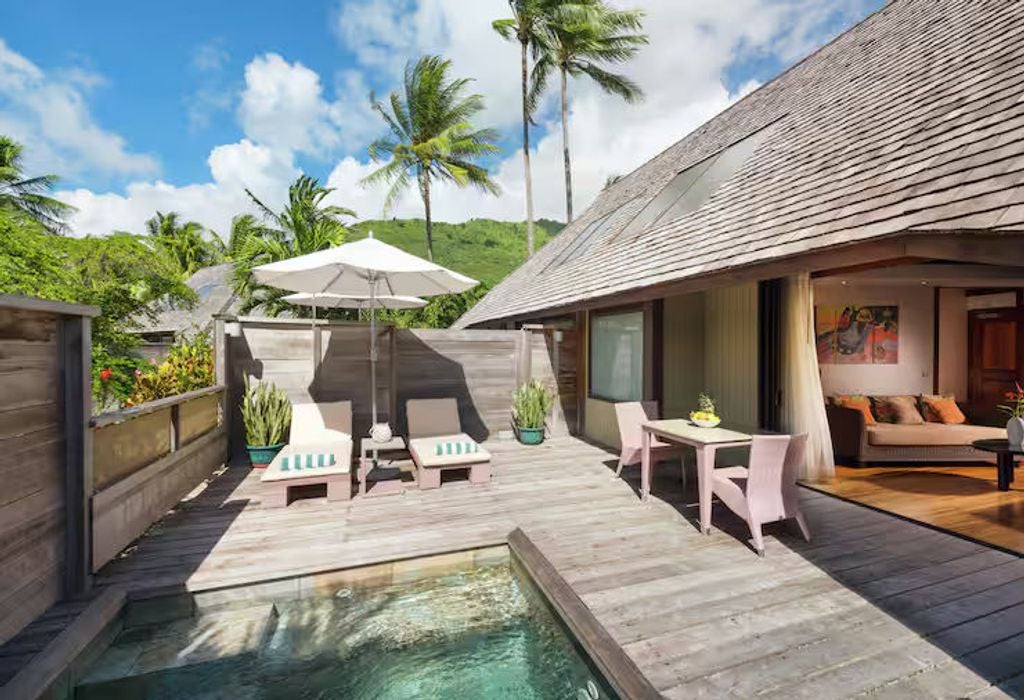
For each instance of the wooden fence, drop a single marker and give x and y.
(330, 362)
(44, 394)
(146, 459)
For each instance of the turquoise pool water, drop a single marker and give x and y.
(485, 633)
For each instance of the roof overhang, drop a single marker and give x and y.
(903, 249)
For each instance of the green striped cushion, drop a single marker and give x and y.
(299, 461)
(456, 448)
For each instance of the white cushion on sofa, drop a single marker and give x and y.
(930, 434)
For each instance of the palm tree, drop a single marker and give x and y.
(525, 26)
(578, 38)
(430, 136)
(305, 225)
(190, 245)
(27, 195)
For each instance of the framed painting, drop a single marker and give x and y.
(857, 335)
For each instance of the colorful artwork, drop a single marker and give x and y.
(857, 335)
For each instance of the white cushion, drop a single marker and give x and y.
(340, 448)
(425, 451)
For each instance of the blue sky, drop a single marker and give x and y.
(178, 106)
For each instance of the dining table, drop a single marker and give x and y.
(705, 441)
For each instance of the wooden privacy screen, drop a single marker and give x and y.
(146, 459)
(481, 368)
(43, 393)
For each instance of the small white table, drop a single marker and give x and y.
(706, 442)
(370, 450)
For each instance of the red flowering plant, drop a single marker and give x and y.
(1014, 406)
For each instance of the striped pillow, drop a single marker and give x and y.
(460, 447)
(309, 460)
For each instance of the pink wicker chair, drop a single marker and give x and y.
(630, 415)
(766, 491)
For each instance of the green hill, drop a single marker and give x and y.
(484, 249)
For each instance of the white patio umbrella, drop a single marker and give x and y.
(338, 301)
(368, 267)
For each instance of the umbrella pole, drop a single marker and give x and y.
(373, 349)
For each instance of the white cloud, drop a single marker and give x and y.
(51, 114)
(210, 57)
(233, 168)
(284, 109)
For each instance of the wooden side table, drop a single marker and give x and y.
(369, 454)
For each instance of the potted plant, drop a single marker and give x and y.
(705, 416)
(531, 404)
(1014, 408)
(267, 415)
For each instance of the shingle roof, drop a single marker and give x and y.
(213, 287)
(913, 120)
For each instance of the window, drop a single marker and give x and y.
(691, 188)
(617, 356)
(582, 242)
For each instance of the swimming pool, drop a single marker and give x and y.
(486, 632)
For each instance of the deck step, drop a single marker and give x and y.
(147, 661)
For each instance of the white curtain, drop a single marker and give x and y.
(803, 403)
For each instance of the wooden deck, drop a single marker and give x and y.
(874, 604)
(960, 499)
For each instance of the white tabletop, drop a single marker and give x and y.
(368, 444)
(683, 430)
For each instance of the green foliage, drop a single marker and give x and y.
(188, 367)
(306, 225)
(531, 404)
(122, 274)
(266, 414)
(440, 312)
(484, 249)
(188, 244)
(113, 378)
(430, 136)
(27, 196)
(580, 38)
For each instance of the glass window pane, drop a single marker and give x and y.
(617, 356)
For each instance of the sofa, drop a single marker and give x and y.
(853, 440)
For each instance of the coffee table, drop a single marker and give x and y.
(1006, 456)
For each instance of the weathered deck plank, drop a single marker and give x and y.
(873, 605)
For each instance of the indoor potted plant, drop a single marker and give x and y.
(531, 404)
(1014, 408)
(266, 415)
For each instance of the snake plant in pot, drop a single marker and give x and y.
(266, 415)
(531, 404)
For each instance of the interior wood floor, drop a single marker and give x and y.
(961, 499)
(874, 605)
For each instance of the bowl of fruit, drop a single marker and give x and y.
(705, 416)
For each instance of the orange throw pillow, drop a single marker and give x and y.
(860, 403)
(941, 410)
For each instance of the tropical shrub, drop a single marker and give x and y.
(266, 414)
(188, 367)
(531, 404)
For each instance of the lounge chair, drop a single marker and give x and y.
(436, 443)
(766, 491)
(319, 452)
(630, 414)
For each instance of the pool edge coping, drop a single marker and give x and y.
(612, 661)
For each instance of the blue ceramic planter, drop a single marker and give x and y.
(530, 436)
(260, 457)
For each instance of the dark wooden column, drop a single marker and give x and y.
(769, 354)
(76, 397)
